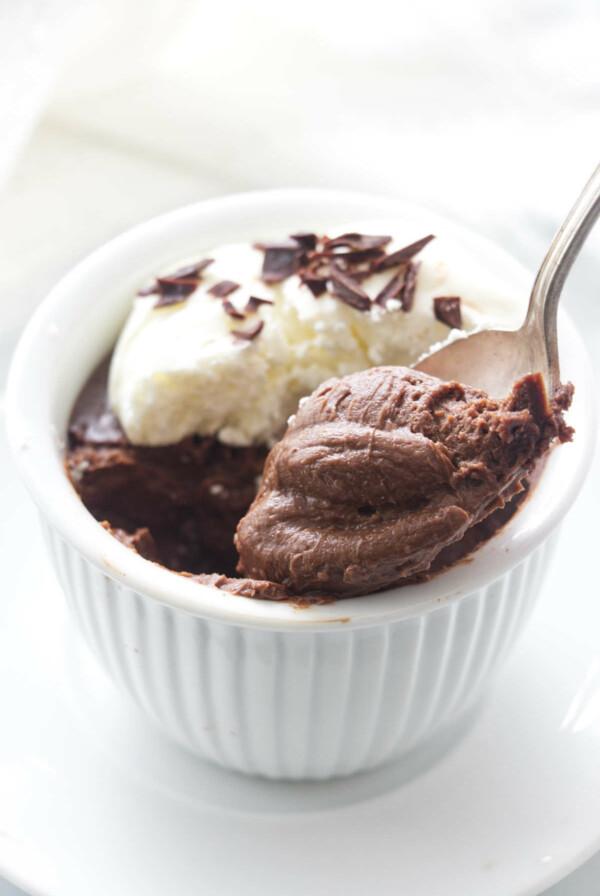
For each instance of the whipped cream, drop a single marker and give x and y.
(179, 370)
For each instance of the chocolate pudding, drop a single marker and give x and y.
(180, 505)
(383, 477)
(177, 504)
(381, 470)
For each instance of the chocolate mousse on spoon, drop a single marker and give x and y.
(381, 470)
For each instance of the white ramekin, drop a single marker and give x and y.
(264, 687)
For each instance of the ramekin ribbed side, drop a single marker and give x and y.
(298, 704)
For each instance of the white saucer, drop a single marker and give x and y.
(93, 800)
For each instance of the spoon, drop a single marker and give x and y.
(493, 360)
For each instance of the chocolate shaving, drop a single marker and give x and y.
(392, 289)
(230, 309)
(359, 241)
(361, 273)
(401, 286)
(348, 290)
(447, 310)
(317, 285)
(403, 255)
(308, 241)
(248, 335)
(281, 259)
(408, 293)
(190, 272)
(254, 303)
(352, 258)
(173, 290)
(317, 267)
(223, 288)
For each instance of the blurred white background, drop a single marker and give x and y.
(112, 112)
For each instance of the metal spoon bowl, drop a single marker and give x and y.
(492, 360)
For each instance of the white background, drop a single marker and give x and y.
(113, 112)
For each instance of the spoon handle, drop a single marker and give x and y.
(543, 304)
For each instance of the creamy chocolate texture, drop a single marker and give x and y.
(178, 505)
(381, 470)
(384, 477)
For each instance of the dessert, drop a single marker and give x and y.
(381, 470)
(169, 438)
(188, 496)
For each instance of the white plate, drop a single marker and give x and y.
(93, 800)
